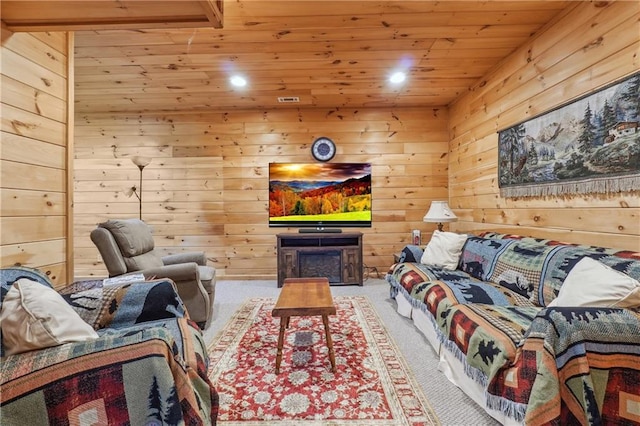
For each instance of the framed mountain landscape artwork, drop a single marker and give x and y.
(591, 145)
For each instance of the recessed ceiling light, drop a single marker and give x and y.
(397, 77)
(238, 81)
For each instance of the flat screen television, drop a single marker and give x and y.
(319, 195)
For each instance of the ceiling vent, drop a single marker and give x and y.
(288, 99)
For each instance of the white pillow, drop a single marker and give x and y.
(444, 249)
(591, 283)
(35, 316)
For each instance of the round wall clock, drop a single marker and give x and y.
(323, 149)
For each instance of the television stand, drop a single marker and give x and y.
(336, 256)
(319, 230)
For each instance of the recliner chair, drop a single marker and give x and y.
(127, 246)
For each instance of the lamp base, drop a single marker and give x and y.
(440, 225)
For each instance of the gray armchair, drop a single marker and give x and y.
(126, 246)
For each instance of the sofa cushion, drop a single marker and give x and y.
(479, 256)
(144, 261)
(444, 249)
(411, 253)
(520, 266)
(35, 316)
(591, 283)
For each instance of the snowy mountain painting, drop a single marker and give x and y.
(590, 145)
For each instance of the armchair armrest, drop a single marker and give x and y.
(198, 257)
(411, 253)
(177, 273)
(124, 305)
(188, 280)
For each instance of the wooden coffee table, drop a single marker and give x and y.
(304, 297)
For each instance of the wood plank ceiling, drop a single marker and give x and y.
(326, 53)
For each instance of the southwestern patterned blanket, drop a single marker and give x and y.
(147, 367)
(537, 364)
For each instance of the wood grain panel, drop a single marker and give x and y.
(33, 100)
(493, 200)
(42, 52)
(58, 40)
(35, 253)
(222, 209)
(619, 221)
(28, 176)
(627, 241)
(21, 68)
(23, 123)
(33, 155)
(21, 149)
(57, 274)
(18, 229)
(32, 203)
(593, 45)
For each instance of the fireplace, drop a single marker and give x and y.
(321, 263)
(336, 256)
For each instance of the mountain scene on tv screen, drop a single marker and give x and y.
(322, 192)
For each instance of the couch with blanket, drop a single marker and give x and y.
(535, 331)
(90, 354)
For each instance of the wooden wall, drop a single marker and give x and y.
(207, 185)
(206, 188)
(34, 152)
(592, 45)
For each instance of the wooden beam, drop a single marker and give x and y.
(69, 163)
(38, 16)
(214, 11)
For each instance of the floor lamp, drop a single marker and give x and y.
(439, 212)
(141, 162)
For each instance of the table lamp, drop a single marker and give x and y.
(439, 212)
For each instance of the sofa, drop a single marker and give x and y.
(90, 354)
(535, 331)
(127, 247)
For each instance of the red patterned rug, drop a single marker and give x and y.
(372, 386)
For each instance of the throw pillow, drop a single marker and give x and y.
(34, 316)
(591, 283)
(444, 250)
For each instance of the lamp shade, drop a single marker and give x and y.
(439, 212)
(141, 162)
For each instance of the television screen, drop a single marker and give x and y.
(320, 194)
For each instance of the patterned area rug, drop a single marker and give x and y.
(372, 386)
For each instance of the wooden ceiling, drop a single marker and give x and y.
(326, 53)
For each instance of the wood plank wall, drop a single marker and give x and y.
(33, 153)
(594, 44)
(207, 185)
